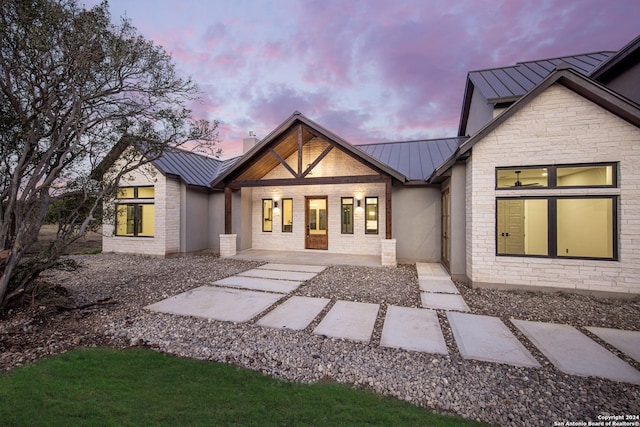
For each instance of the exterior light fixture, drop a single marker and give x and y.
(275, 204)
(359, 203)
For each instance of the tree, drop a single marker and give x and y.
(76, 92)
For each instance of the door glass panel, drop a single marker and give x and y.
(318, 216)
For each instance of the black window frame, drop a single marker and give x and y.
(282, 216)
(342, 216)
(135, 192)
(366, 230)
(552, 177)
(264, 220)
(137, 220)
(552, 225)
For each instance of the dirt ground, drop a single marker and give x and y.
(91, 243)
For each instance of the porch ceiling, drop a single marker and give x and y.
(286, 147)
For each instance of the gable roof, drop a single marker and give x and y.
(299, 118)
(629, 54)
(567, 77)
(508, 84)
(193, 169)
(414, 159)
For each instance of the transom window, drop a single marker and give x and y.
(557, 176)
(137, 192)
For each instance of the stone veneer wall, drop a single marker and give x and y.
(356, 243)
(166, 238)
(558, 126)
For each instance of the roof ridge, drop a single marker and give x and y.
(410, 140)
(517, 64)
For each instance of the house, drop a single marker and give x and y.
(540, 189)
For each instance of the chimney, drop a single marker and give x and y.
(249, 143)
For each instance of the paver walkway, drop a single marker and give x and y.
(437, 289)
(246, 295)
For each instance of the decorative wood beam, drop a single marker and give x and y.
(318, 160)
(282, 162)
(227, 210)
(362, 179)
(299, 151)
(387, 205)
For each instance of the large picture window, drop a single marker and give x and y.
(347, 215)
(558, 225)
(135, 217)
(135, 220)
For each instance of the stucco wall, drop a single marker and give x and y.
(416, 223)
(556, 127)
(356, 243)
(458, 233)
(195, 220)
(480, 113)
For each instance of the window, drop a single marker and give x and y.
(146, 192)
(347, 215)
(135, 219)
(557, 176)
(287, 215)
(371, 215)
(558, 225)
(267, 215)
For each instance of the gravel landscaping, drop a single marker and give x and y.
(494, 393)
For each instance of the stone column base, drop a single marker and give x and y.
(388, 258)
(227, 245)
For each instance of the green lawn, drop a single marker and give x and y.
(137, 387)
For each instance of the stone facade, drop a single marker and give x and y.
(166, 239)
(356, 243)
(556, 127)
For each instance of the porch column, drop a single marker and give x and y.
(227, 210)
(227, 240)
(387, 205)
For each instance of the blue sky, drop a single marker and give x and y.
(371, 71)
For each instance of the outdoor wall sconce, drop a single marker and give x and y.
(275, 204)
(359, 203)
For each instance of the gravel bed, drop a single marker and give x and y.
(494, 393)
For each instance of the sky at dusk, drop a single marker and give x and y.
(370, 70)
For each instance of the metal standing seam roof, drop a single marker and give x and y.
(414, 159)
(506, 84)
(191, 168)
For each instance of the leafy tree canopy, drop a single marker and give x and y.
(76, 91)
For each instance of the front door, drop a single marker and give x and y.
(316, 219)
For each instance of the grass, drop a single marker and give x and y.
(136, 387)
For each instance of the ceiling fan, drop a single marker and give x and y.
(518, 183)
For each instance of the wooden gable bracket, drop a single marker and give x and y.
(284, 163)
(317, 160)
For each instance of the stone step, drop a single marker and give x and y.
(349, 320)
(413, 329)
(295, 313)
(443, 301)
(487, 338)
(574, 353)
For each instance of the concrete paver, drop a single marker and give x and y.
(414, 329)
(233, 305)
(259, 284)
(294, 267)
(627, 342)
(574, 353)
(431, 269)
(349, 320)
(295, 313)
(443, 301)
(487, 338)
(299, 276)
(442, 285)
